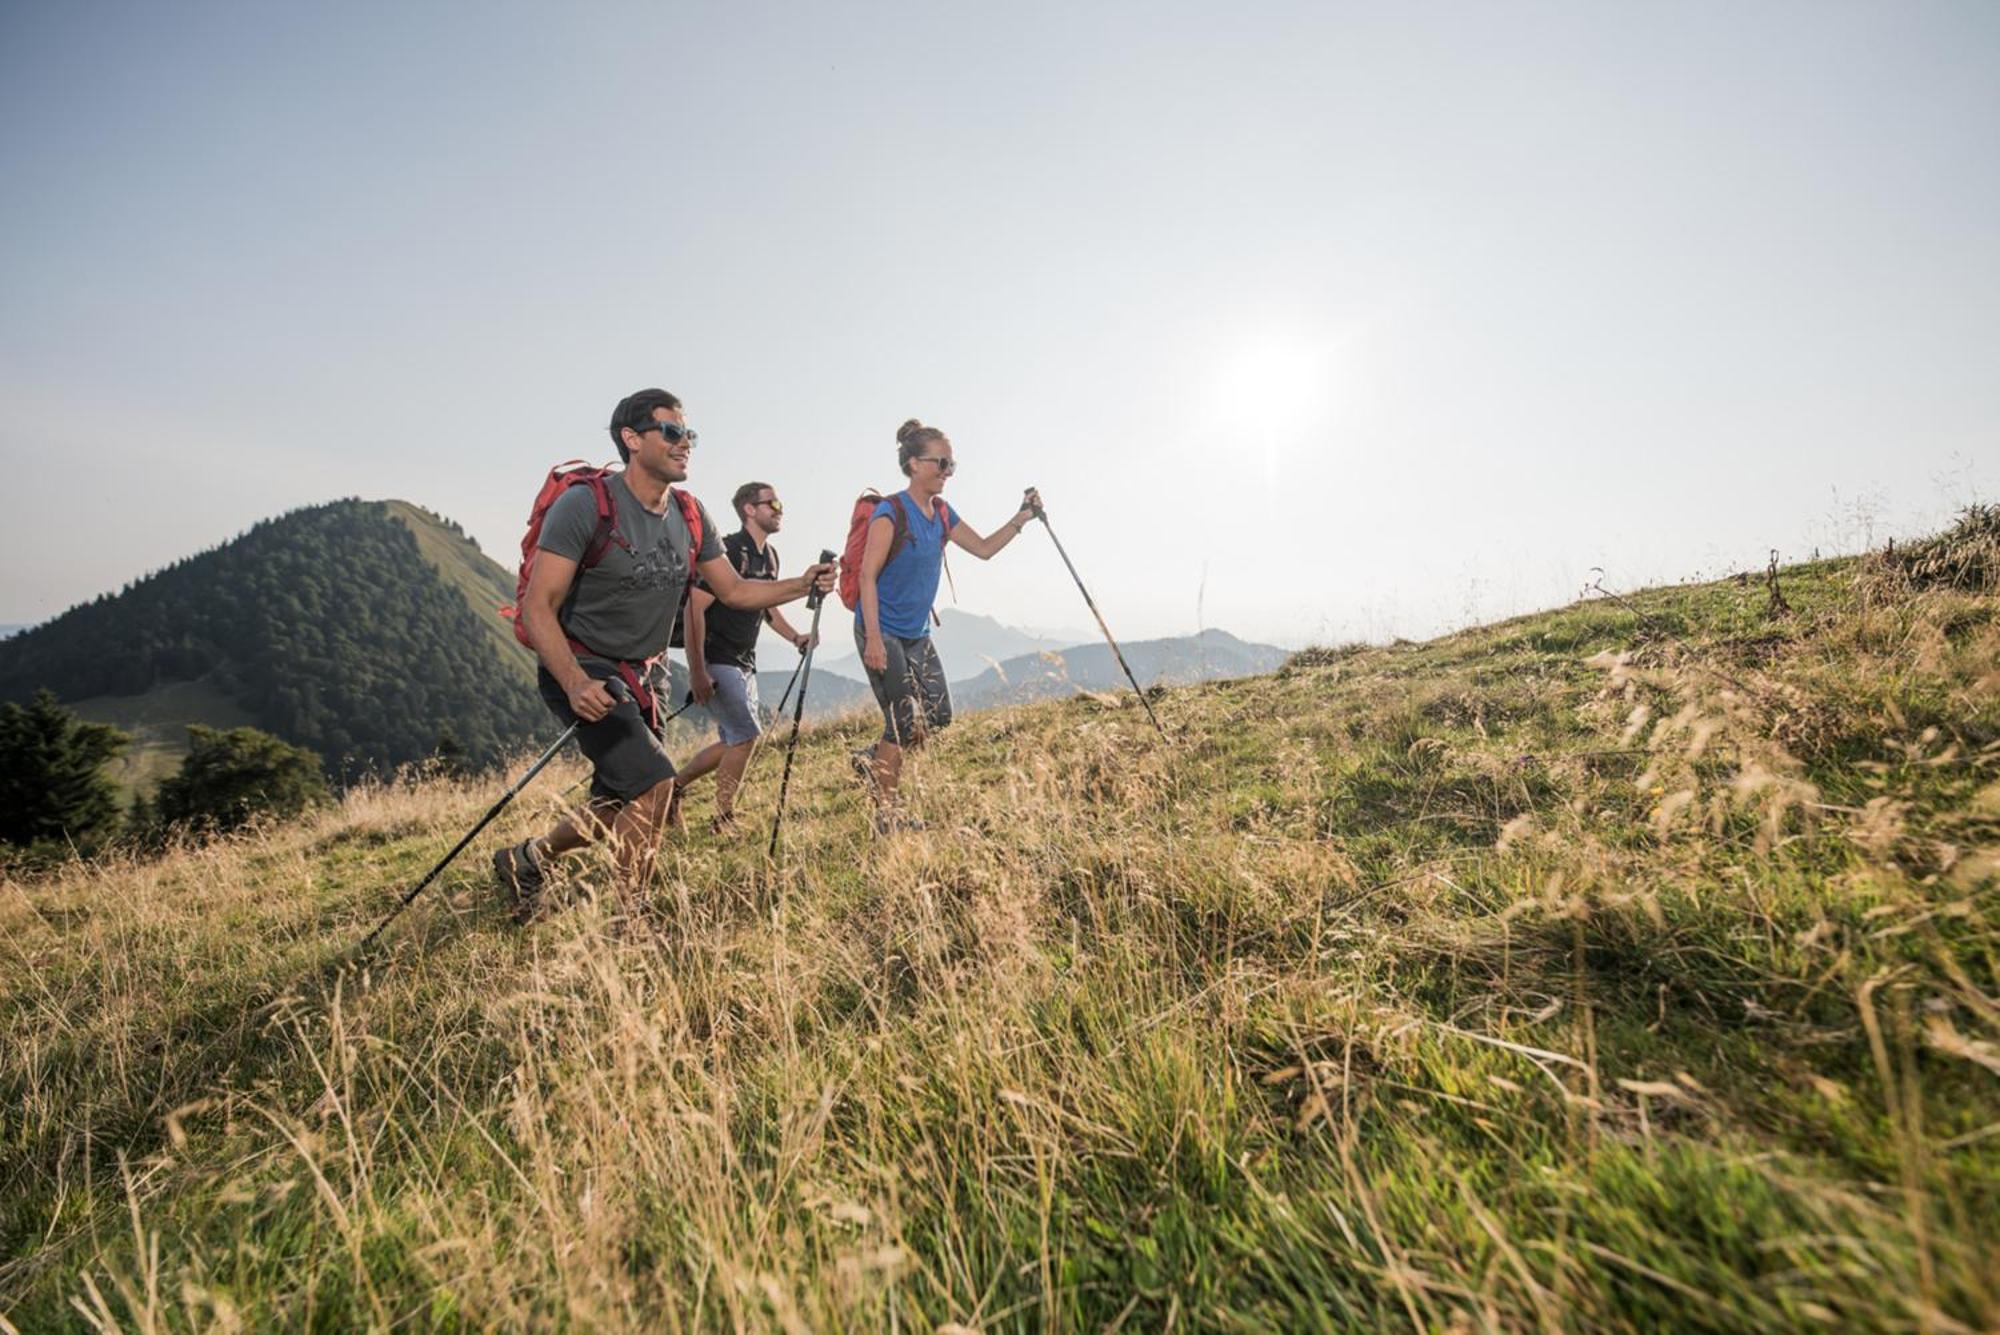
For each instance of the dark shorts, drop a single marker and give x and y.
(912, 694)
(627, 758)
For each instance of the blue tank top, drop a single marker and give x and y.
(907, 586)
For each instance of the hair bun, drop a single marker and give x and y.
(909, 431)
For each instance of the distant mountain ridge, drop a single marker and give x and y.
(1211, 655)
(1043, 675)
(967, 643)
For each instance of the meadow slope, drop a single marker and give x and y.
(1627, 966)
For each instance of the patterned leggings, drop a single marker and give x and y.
(914, 697)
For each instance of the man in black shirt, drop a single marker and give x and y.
(722, 650)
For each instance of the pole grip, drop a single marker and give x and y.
(815, 598)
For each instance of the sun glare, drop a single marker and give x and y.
(1281, 387)
(1274, 394)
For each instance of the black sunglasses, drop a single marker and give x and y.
(670, 432)
(944, 462)
(777, 506)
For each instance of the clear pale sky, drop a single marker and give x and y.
(1310, 321)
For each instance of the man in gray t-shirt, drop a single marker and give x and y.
(612, 619)
(624, 605)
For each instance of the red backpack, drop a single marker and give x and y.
(577, 473)
(857, 540)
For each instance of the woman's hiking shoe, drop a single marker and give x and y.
(520, 878)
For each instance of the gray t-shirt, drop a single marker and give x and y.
(624, 605)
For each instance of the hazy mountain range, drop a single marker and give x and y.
(1046, 673)
(1091, 667)
(368, 631)
(967, 643)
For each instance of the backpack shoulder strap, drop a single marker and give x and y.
(901, 519)
(944, 555)
(607, 521)
(691, 515)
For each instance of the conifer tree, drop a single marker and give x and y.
(142, 823)
(449, 755)
(52, 786)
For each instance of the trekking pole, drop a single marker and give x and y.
(618, 692)
(815, 600)
(686, 705)
(1091, 603)
(780, 712)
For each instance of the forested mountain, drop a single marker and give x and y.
(364, 630)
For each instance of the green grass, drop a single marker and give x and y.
(1622, 967)
(486, 584)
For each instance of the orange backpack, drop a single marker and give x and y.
(577, 473)
(857, 540)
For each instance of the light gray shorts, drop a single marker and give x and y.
(734, 704)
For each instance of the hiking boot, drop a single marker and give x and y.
(896, 822)
(675, 820)
(520, 878)
(724, 824)
(863, 762)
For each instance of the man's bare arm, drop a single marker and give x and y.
(782, 626)
(754, 595)
(549, 581)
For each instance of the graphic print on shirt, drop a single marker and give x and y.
(661, 567)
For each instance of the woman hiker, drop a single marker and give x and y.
(900, 565)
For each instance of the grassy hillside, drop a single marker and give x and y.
(158, 722)
(486, 586)
(1628, 967)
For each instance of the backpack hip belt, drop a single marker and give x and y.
(638, 676)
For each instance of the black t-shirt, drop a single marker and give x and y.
(730, 635)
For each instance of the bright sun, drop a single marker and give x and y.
(1271, 396)
(1280, 387)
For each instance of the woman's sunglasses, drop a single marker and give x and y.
(944, 462)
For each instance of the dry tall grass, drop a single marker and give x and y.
(1582, 972)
